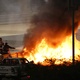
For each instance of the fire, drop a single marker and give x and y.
(43, 52)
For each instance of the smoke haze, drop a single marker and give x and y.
(53, 22)
(18, 11)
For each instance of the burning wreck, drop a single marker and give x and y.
(49, 38)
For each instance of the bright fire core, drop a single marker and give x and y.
(43, 52)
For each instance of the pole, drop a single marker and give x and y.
(73, 42)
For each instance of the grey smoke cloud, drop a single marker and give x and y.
(18, 11)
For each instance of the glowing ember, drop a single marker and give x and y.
(44, 51)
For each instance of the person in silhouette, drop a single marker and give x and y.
(1, 46)
(7, 48)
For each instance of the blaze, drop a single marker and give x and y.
(44, 52)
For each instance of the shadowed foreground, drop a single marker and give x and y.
(55, 72)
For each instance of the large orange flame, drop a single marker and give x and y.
(44, 51)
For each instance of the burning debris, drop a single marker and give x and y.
(49, 36)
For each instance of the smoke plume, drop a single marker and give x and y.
(53, 22)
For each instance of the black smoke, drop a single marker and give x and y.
(53, 22)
